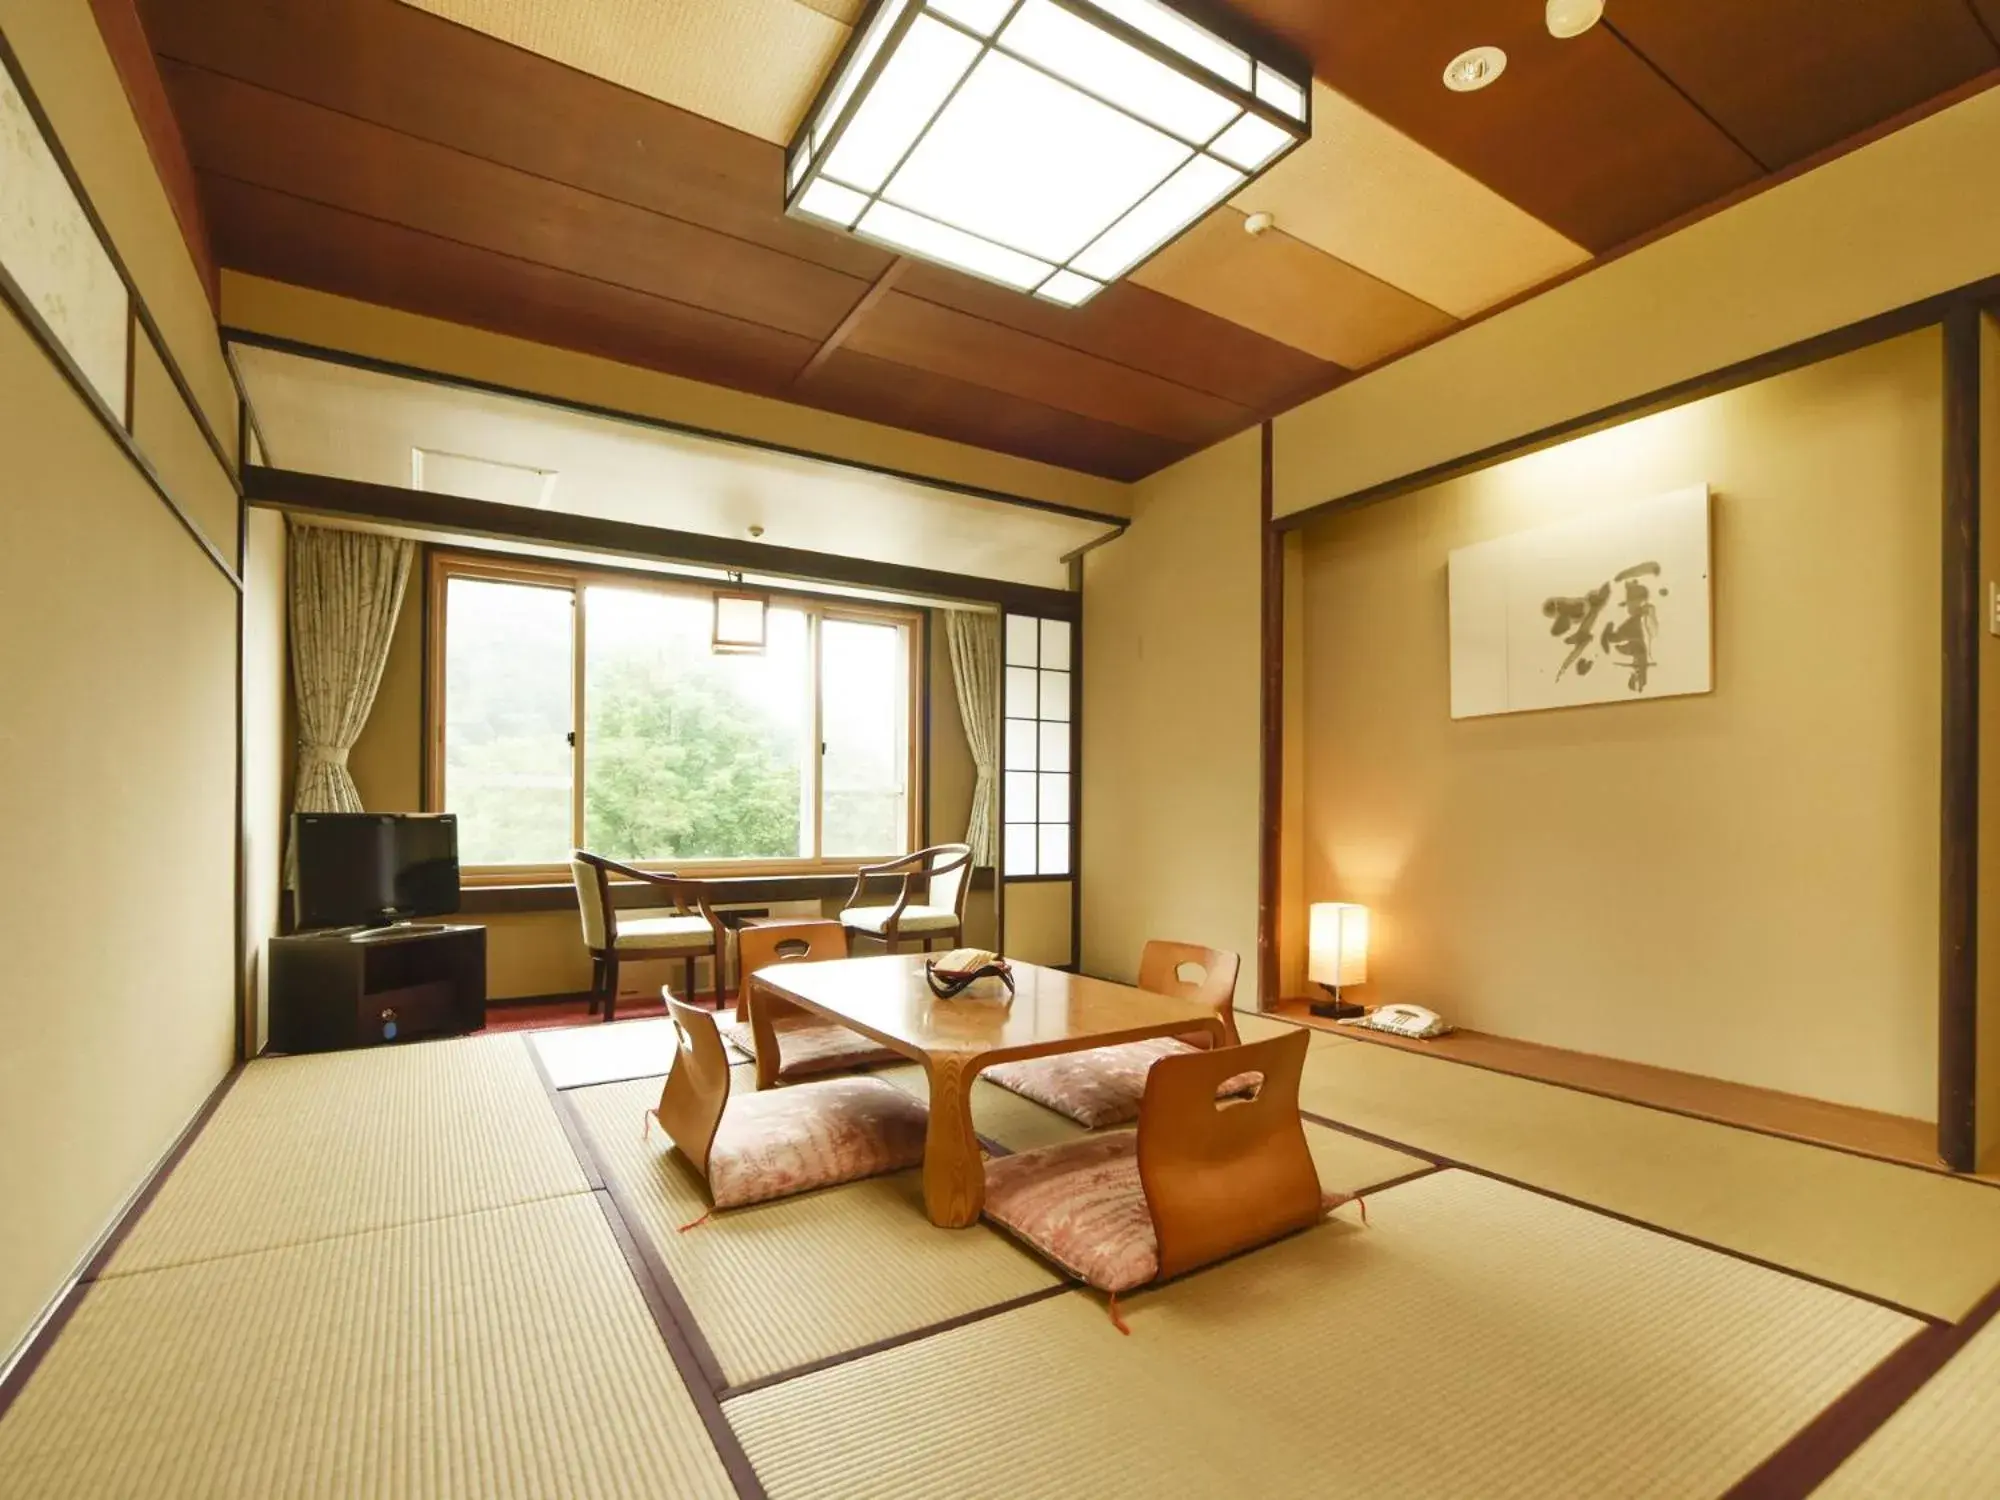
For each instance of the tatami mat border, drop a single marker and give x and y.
(39, 1342)
(700, 1371)
(572, 1127)
(1929, 1319)
(1837, 1433)
(896, 1341)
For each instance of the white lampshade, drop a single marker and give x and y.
(1338, 938)
(1568, 18)
(1048, 145)
(739, 624)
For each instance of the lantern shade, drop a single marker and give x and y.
(739, 624)
(1048, 145)
(1338, 940)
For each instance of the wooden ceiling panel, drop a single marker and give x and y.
(981, 353)
(1788, 78)
(273, 234)
(242, 131)
(880, 390)
(1367, 194)
(1131, 325)
(1583, 134)
(752, 64)
(382, 61)
(1288, 290)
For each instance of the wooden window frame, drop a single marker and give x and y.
(443, 565)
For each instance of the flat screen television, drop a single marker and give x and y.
(371, 869)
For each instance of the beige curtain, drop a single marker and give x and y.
(975, 668)
(346, 589)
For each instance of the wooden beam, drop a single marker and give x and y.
(321, 494)
(877, 290)
(1874, 329)
(1958, 842)
(138, 69)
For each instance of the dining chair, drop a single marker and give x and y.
(1200, 1179)
(1104, 1085)
(771, 1144)
(944, 869)
(806, 1043)
(690, 930)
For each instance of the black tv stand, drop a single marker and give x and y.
(365, 986)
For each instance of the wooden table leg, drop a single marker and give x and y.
(954, 1167)
(757, 1004)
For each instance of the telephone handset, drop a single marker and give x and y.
(1402, 1020)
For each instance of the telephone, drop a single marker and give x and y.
(955, 973)
(1402, 1020)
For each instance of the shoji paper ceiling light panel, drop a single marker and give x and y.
(1048, 145)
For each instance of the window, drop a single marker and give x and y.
(575, 708)
(1035, 793)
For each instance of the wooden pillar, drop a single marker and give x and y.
(1958, 843)
(1271, 740)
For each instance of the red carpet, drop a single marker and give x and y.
(539, 1015)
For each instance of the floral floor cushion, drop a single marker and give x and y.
(808, 1045)
(1081, 1204)
(1102, 1086)
(776, 1142)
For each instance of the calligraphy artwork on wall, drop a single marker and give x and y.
(1612, 606)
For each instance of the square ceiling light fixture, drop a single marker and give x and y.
(1049, 145)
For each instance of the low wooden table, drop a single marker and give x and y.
(888, 999)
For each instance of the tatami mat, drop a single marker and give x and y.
(1944, 1441)
(504, 1355)
(306, 1147)
(1916, 1238)
(1478, 1340)
(782, 1284)
(1256, 1028)
(1000, 1115)
(607, 1052)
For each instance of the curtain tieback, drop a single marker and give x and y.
(311, 756)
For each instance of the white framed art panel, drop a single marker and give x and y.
(1613, 606)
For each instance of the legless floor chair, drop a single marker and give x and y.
(1103, 1086)
(1200, 1179)
(777, 1142)
(806, 1044)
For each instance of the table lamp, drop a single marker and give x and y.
(1338, 940)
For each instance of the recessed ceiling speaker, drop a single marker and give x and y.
(1568, 18)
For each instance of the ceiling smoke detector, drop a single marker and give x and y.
(1474, 69)
(1568, 18)
(1257, 224)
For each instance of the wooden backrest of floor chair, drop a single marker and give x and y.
(1160, 965)
(1224, 1176)
(697, 1088)
(771, 943)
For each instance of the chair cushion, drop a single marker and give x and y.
(1102, 1086)
(914, 918)
(672, 933)
(808, 1045)
(776, 1142)
(1080, 1204)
